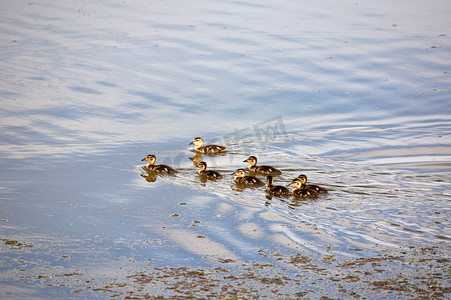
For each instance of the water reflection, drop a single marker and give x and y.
(299, 201)
(196, 159)
(149, 176)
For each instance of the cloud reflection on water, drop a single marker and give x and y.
(104, 85)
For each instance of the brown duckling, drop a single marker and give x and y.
(318, 189)
(241, 178)
(209, 174)
(276, 190)
(152, 167)
(300, 191)
(207, 149)
(266, 170)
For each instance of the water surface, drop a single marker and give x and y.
(355, 95)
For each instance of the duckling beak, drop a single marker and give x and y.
(144, 159)
(192, 143)
(245, 160)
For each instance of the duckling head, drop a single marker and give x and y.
(240, 172)
(150, 158)
(251, 159)
(202, 165)
(302, 178)
(297, 183)
(197, 141)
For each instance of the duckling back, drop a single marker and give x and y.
(163, 169)
(210, 174)
(153, 168)
(276, 190)
(212, 149)
(304, 193)
(267, 170)
(207, 149)
(316, 188)
(249, 180)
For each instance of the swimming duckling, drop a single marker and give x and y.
(300, 191)
(276, 190)
(207, 149)
(303, 180)
(241, 178)
(209, 174)
(151, 167)
(266, 170)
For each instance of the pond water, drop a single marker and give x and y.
(353, 94)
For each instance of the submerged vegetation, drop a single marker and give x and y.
(15, 244)
(419, 272)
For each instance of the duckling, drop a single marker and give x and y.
(151, 167)
(241, 178)
(266, 170)
(209, 174)
(300, 191)
(207, 149)
(276, 190)
(303, 179)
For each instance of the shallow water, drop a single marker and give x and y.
(355, 95)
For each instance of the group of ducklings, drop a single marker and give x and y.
(301, 188)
